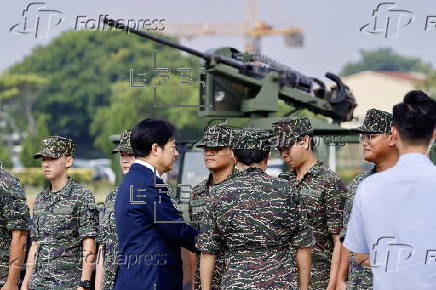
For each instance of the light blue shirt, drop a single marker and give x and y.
(394, 220)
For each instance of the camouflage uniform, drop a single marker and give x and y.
(323, 194)
(254, 220)
(107, 234)
(377, 122)
(14, 215)
(214, 136)
(61, 220)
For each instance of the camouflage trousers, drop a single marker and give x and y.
(359, 277)
(319, 275)
(260, 269)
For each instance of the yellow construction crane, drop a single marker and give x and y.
(253, 29)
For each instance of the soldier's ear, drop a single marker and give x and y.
(391, 140)
(69, 161)
(306, 142)
(395, 134)
(233, 155)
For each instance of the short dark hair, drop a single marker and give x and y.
(150, 131)
(415, 118)
(249, 157)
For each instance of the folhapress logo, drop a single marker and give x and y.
(38, 20)
(387, 20)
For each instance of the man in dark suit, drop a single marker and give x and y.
(150, 226)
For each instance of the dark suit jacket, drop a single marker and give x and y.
(151, 233)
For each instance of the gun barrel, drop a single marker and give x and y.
(121, 26)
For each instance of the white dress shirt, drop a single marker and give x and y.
(394, 220)
(148, 165)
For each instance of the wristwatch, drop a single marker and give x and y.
(86, 284)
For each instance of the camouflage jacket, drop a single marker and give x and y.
(108, 239)
(199, 198)
(254, 220)
(14, 215)
(359, 277)
(60, 221)
(323, 195)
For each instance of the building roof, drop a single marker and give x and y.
(408, 76)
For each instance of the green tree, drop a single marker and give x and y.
(429, 84)
(129, 105)
(385, 59)
(81, 67)
(19, 92)
(32, 143)
(5, 157)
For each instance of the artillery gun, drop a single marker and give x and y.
(249, 85)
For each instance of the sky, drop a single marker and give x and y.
(332, 28)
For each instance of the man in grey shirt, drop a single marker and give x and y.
(393, 216)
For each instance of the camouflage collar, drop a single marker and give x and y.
(247, 171)
(56, 194)
(314, 170)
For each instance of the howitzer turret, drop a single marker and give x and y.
(249, 85)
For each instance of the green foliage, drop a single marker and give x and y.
(18, 93)
(429, 84)
(81, 67)
(129, 105)
(5, 158)
(32, 143)
(385, 59)
(347, 175)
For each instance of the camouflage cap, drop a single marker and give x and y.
(215, 135)
(376, 122)
(252, 139)
(56, 147)
(124, 145)
(289, 129)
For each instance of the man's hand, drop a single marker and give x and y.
(24, 286)
(331, 286)
(9, 286)
(80, 288)
(341, 285)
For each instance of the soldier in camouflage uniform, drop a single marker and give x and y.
(219, 160)
(65, 221)
(380, 149)
(14, 216)
(323, 194)
(254, 219)
(107, 236)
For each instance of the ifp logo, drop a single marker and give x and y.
(389, 254)
(38, 20)
(387, 20)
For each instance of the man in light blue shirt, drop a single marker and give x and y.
(394, 212)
